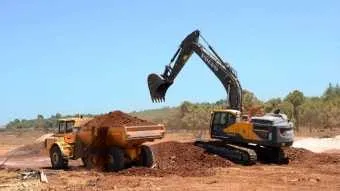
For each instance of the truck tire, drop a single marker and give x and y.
(146, 156)
(116, 159)
(57, 159)
(87, 161)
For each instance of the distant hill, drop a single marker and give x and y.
(157, 115)
(170, 116)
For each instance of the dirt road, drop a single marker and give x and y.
(181, 166)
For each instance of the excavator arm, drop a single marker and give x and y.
(159, 84)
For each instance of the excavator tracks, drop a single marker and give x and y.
(232, 152)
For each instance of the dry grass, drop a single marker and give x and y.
(317, 132)
(19, 137)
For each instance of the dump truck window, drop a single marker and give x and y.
(61, 127)
(69, 126)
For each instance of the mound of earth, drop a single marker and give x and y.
(116, 119)
(305, 157)
(182, 159)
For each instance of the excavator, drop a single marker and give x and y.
(244, 140)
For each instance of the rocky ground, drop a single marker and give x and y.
(313, 164)
(179, 166)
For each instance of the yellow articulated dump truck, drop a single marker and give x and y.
(108, 141)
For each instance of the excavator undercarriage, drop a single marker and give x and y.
(235, 153)
(244, 153)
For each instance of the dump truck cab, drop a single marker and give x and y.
(61, 145)
(66, 130)
(68, 127)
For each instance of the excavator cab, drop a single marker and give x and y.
(221, 120)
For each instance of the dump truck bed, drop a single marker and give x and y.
(144, 132)
(122, 136)
(119, 129)
(129, 136)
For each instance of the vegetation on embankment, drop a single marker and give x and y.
(321, 112)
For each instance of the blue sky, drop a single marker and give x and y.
(94, 57)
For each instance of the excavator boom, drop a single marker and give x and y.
(159, 84)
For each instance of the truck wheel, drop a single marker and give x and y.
(146, 156)
(87, 161)
(116, 160)
(57, 159)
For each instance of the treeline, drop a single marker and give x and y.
(306, 112)
(40, 122)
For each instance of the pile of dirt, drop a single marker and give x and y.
(302, 156)
(116, 119)
(182, 159)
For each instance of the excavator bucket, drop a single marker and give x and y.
(158, 87)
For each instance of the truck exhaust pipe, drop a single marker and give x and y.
(158, 87)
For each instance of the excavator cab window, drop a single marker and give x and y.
(222, 120)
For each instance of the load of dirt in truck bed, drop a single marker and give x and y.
(300, 156)
(116, 119)
(182, 159)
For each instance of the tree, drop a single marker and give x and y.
(251, 104)
(311, 113)
(184, 108)
(221, 102)
(14, 124)
(295, 98)
(337, 89)
(249, 99)
(40, 117)
(58, 116)
(272, 104)
(40, 123)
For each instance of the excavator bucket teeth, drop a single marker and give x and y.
(158, 87)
